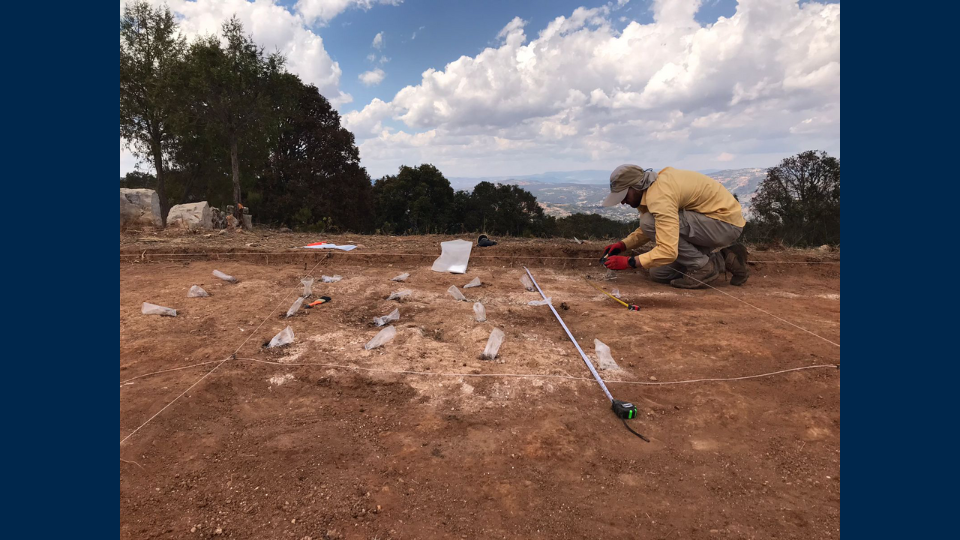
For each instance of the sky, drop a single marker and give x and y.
(499, 88)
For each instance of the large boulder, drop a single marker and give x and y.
(139, 207)
(191, 216)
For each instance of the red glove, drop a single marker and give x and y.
(614, 249)
(618, 263)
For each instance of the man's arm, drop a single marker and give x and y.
(667, 219)
(635, 239)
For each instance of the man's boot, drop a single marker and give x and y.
(735, 260)
(697, 278)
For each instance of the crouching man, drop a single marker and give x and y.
(693, 220)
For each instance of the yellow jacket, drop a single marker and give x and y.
(673, 190)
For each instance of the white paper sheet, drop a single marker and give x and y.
(454, 257)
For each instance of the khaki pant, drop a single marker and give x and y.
(699, 237)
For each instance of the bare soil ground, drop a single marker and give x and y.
(292, 449)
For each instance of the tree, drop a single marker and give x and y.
(228, 96)
(150, 50)
(502, 209)
(418, 200)
(138, 180)
(593, 226)
(798, 202)
(314, 178)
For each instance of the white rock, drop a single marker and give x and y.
(139, 207)
(191, 216)
(197, 292)
(153, 309)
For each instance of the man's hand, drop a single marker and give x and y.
(619, 263)
(614, 249)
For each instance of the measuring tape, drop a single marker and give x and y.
(623, 409)
(631, 307)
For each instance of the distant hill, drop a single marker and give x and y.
(569, 192)
(561, 177)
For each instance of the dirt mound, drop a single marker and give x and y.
(422, 439)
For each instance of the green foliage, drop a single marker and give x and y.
(221, 119)
(798, 203)
(150, 52)
(418, 200)
(138, 180)
(588, 226)
(314, 165)
(227, 91)
(501, 209)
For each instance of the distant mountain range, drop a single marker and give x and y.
(569, 192)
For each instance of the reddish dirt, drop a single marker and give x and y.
(341, 453)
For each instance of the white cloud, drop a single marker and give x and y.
(372, 77)
(273, 27)
(128, 162)
(368, 121)
(672, 92)
(377, 41)
(322, 11)
(414, 36)
(725, 157)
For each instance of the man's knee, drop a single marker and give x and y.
(664, 274)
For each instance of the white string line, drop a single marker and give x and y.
(378, 253)
(479, 374)
(174, 400)
(535, 375)
(166, 370)
(220, 364)
(834, 366)
(760, 309)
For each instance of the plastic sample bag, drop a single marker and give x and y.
(454, 257)
(474, 283)
(493, 344)
(285, 337)
(603, 355)
(547, 300)
(480, 314)
(153, 309)
(456, 294)
(197, 292)
(224, 277)
(527, 284)
(400, 295)
(392, 316)
(295, 307)
(383, 337)
(401, 277)
(616, 292)
(329, 279)
(307, 286)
